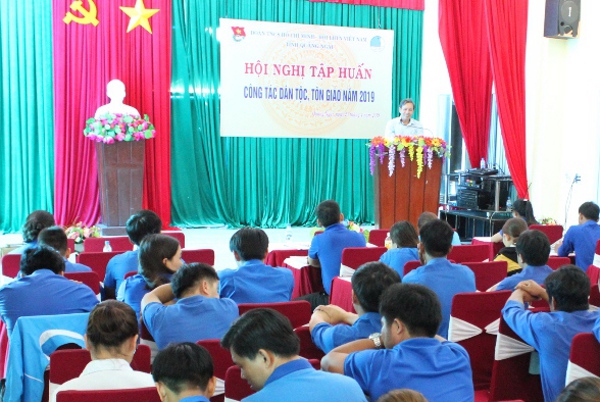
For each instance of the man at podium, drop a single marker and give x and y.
(115, 90)
(404, 124)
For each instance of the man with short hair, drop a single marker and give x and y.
(427, 217)
(265, 347)
(253, 281)
(407, 353)
(198, 313)
(56, 238)
(582, 238)
(184, 372)
(331, 326)
(404, 124)
(138, 226)
(567, 291)
(437, 273)
(42, 289)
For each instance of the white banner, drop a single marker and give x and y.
(292, 80)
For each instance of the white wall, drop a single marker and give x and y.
(562, 106)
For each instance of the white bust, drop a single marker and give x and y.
(115, 90)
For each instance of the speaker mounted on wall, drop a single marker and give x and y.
(562, 19)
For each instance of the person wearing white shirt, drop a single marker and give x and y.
(404, 124)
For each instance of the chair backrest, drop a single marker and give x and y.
(554, 232)
(583, 360)
(178, 234)
(71, 244)
(377, 237)
(469, 252)
(117, 243)
(557, 262)
(487, 274)
(308, 349)
(275, 258)
(510, 374)
(11, 265)
(205, 255)
(297, 311)
(97, 261)
(89, 278)
(117, 395)
(474, 319)
(147, 339)
(410, 265)
(594, 296)
(221, 361)
(354, 257)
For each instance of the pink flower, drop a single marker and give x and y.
(108, 140)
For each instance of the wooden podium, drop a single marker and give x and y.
(121, 179)
(403, 196)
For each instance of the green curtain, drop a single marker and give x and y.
(26, 112)
(262, 181)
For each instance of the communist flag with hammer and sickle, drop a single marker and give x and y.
(96, 41)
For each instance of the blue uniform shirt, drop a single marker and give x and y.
(446, 280)
(327, 248)
(195, 398)
(397, 257)
(255, 282)
(132, 290)
(327, 336)
(441, 371)
(75, 267)
(118, 266)
(191, 319)
(582, 240)
(551, 335)
(537, 274)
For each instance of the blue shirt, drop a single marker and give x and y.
(132, 290)
(195, 398)
(327, 248)
(191, 319)
(551, 335)
(43, 293)
(255, 282)
(76, 267)
(446, 280)
(596, 329)
(582, 240)
(26, 246)
(441, 371)
(537, 274)
(298, 381)
(397, 257)
(118, 266)
(327, 336)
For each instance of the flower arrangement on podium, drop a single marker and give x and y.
(79, 232)
(110, 128)
(420, 149)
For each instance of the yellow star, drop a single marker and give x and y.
(139, 15)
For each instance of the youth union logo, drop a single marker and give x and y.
(238, 33)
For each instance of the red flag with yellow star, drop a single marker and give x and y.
(96, 41)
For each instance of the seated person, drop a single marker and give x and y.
(402, 395)
(582, 238)
(326, 249)
(138, 226)
(437, 273)
(523, 209)
(198, 313)
(511, 230)
(253, 281)
(404, 246)
(265, 347)
(567, 291)
(184, 372)
(533, 250)
(55, 237)
(427, 217)
(584, 389)
(35, 223)
(111, 337)
(407, 353)
(331, 326)
(42, 289)
(160, 257)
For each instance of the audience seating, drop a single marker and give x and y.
(487, 274)
(474, 319)
(594, 296)
(410, 265)
(276, 258)
(205, 255)
(147, 339)
(297, 311)
(593, 271)
(221, 362)
(122, 243)
(97, 261)
(89, 278)
(583, 360)
(308, 349)
(377, 237)
(557, 262)
(554, 232)
(354, 257)
(120, 395)
(11, 265)
(469, 252)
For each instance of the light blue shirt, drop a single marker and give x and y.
(327, 336)
(396, 258)
(582, 240)
(255, 282)
(537, 274)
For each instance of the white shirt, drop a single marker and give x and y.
(395, 127)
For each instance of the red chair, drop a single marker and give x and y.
(377, 237)
(205, 255)
(221, 361)
(89, 278)
(308, 349)
(129, 274)
(297, 311)
(97, 261)
(117, 243)
(354, 257)
(276, 258)
(583, 360)
(118, 395)
(179, 235)
(469, 252)
(474, 321)
(147, 339)
(594, 296)
(11, 265)
(554, 232)
(557, 262)
(410, 265)
(487, 274)
(71, 244)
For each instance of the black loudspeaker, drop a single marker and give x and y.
(562, 19)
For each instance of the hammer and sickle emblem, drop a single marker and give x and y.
(89, 16)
